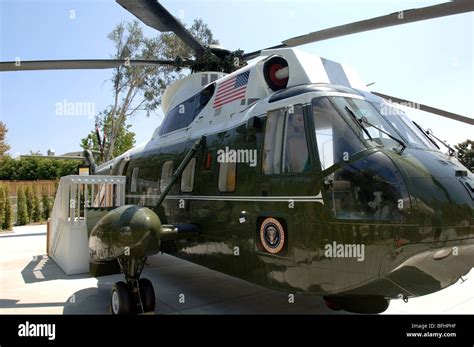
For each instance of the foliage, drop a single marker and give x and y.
(2, 204)
(22, 210)
(466, 153)
(7, 212)
(29, 203)
(31, 168)
(36, 208)
(125, 138)
(46, 205)
(4, 147)
(139, 88)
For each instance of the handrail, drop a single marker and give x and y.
(76, 192)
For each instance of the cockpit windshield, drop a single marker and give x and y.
(366, 187)
(342, 122)
(403, 125)
(375, 127)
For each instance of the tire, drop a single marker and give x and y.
(147, 295)
(368, 305)
(331, 304)
(120, 301)
(360, 304)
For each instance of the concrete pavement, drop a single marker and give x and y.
(31, 283)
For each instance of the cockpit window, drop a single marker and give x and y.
(368, 189)
(336, 140)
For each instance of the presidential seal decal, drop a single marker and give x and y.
(272, 235)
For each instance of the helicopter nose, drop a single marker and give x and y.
(442, 195)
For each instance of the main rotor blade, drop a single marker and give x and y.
(77, 64)
(393, 19)
(426, 108)
(153, 14)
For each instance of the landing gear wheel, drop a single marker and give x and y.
(121, 301)
(331, 304)
(141, 297)
(369, 304)
(147, 295)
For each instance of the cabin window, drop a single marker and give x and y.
(133, 183)
(335, 139)
(183, 114)
(285, 149)
(166, 173)
(148, 185)
(296, 157)
(272, 146)
(227, 179)
(180, 116)
(187, 178)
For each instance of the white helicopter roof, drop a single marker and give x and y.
(304, 68)
(234, 92)
(187, 86)
(307, 68)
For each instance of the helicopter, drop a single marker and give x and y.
(283, 169)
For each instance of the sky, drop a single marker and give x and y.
(430, 62)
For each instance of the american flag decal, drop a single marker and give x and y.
(232, 89)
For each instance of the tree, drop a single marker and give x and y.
(125, 138)
(22, 209)
(2, 204)
(139, 88)
(466, 153)
(4, 147)
(8, 213)
(46, 202)
(36, 209)
(29, 203)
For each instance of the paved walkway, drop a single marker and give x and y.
(30, 283)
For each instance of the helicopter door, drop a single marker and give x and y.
(286, 164)
(285, 182)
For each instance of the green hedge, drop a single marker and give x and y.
(36, 168)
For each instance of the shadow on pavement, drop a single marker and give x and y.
(185, 288)
(42, 268)
(8, 303)
(89, 301)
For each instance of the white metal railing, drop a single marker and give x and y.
(67, 232)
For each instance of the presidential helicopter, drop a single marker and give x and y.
(284, 169)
